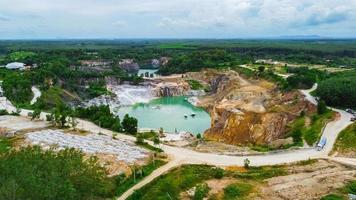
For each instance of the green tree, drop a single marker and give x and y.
(247, 163)
(50, 174)
(199, 136)
(61, 114)
(17, 88)
(261, 68)
(36, 114)
(156, 140)
(140, 138)
(129, 124)
(322, 107)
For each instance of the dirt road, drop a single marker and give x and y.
(36, 94)
(185, 156)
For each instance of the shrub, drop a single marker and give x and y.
(351, 187)
(322, 107)
(3, 112)
(139, 138)
(247, 163)
(129, 124)
(201, 191)
(332, 197)
(218, 173)
(236, 190)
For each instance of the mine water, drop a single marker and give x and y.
(170, 113)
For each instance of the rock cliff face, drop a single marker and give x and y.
(164, 89)
(247, 111)
(129, 65)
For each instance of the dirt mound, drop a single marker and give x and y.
(308, 182)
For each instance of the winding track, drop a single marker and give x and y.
(181, 156)
(36, 94)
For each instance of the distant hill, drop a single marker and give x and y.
(303, 37)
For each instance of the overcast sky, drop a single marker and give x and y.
(27, 19)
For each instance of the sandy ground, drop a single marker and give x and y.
(17, 123)
(303, 182)
(308, 182)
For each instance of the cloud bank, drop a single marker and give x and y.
(175, 18)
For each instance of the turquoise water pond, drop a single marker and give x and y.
(168, 113)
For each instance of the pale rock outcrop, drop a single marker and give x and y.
(171, 89)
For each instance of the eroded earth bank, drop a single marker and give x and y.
(247, 111)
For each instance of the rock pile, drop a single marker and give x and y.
(91, 144)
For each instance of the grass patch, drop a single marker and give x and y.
(260, 173)
(341, 193)
(97, 89)
(246, 72)
(350, 187)
(307, 162)
(149, 147)
(170, 185)
(261, 148)
(181, 179)
(346, 141)
(176, 46)
(124, 183)
(333, 197)
(21, 55)
(148, 135)
(50, 98)
(237, 191)
(201, 191)
(5, 144)
(195, 85)
(266, 148)
(312, 134)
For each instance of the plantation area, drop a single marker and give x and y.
(339, 90)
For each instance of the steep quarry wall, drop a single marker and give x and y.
(164, 89)
(247, 111)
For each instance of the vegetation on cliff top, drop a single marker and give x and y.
(309, 132)
(346, 141)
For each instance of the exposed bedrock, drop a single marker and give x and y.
(247, 111)
(164, 89)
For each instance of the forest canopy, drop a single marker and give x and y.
(339, 90)
(34, 174)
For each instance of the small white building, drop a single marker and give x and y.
(16, 65)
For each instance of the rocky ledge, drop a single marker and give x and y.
(248, 111)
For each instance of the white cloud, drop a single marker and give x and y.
(178, 18)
